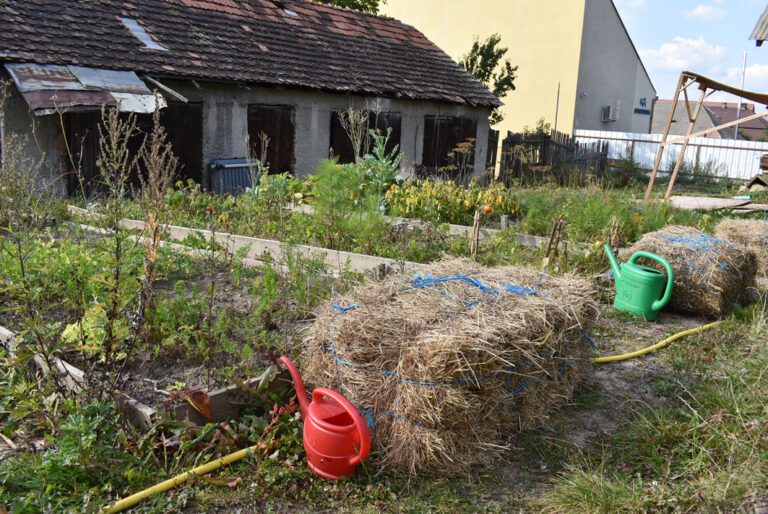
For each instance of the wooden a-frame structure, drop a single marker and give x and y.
(707, 87)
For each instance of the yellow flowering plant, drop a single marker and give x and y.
(447, 202)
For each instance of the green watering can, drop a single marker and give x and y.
(639, 288)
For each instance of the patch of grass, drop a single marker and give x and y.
(591, 488)
(707, 450)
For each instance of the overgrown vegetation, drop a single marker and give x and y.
(116, 300)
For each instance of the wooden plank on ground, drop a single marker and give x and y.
(705, 202)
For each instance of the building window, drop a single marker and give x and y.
(341, 146)
(278, 123)
(441, 135)
(183, 124)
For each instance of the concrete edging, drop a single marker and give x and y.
(257, 247)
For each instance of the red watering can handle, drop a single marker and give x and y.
(360, 424)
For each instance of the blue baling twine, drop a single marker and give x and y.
(424, 282)
(698, 246)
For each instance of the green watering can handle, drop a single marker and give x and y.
(658, 304)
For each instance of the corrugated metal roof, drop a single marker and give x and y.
(47, 88)
(760, 32)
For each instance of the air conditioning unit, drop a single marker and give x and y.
(609, 113)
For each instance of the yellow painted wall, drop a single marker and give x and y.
(543, 37)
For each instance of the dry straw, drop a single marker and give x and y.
(752, 234)
(711, 275)
(444, 369)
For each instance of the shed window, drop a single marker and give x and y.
(183, 123)
(341, 145)
(441, 135)
(278, 122)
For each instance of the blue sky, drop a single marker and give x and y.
(703, 36)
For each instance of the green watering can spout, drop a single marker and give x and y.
(614, 263)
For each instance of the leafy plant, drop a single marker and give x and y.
(86, 464)
(447, 202)
(336, 188)
(379, 169)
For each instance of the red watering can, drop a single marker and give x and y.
(336, 437)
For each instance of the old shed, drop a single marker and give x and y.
(226, 71)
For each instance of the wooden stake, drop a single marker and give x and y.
(680, 83)
(680, 157)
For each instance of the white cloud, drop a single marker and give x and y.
(706, 12)
(755, 77)
(684, 54)
(629, 9)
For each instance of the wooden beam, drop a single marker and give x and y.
(656, 164)
(715, 129)
(687, 105)
(680, 157)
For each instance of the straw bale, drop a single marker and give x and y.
(711, 275)
(751, 234)
(442, 382)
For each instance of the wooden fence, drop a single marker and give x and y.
(549, 152)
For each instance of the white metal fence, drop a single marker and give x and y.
(724, 157)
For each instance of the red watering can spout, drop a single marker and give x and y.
(301, 391)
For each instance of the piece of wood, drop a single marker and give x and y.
(72, 378)
(225, 402)
(8, 441)
(705, 203)
(760, 98)
(753, 207)
(714, 129)
(680, 157)
(660, 153)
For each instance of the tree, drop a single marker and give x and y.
(484, 62)
(369, 6)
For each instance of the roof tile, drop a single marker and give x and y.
(256, 41)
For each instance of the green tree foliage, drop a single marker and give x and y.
(369, 6)
(484, 62)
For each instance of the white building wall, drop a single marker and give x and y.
(610, 73)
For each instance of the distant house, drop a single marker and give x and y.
(226, 70)
(578, 67)
(712, 115)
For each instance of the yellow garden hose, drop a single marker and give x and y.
(615, 358)
(179, 479)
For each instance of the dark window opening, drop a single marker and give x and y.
(183, 123)
(278, 123)
(341, 145)
(442, 134)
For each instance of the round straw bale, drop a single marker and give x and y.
(446, 364)
(711, 275)
(751, 234)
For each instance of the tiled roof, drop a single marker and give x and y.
(289, 43)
